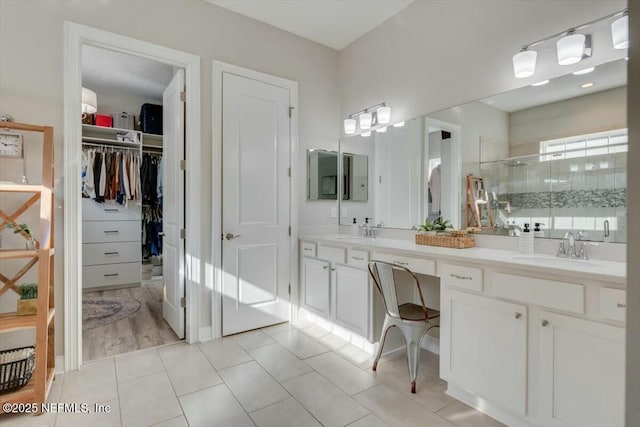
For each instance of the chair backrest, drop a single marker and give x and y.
(382, 274)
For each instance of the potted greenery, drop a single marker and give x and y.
(28, 302)
(443, 224)
(432, 228)
(24, 230)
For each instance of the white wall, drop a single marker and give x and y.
(31, 80)
(601, 111)
(440, 53)
(633, 204)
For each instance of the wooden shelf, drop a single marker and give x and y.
(22, 188)
(23, 253)
(12, 322)
(26, 394)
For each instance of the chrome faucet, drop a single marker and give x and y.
(367, 230)
(571, 250)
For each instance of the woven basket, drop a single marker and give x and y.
(445, 241)
(16, 368)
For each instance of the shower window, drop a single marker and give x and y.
(593, 144)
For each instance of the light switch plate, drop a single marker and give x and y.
(334, 212)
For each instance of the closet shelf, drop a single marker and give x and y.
(111, 142)
(12, 322)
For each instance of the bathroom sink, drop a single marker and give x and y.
(550, 261)
(349, 237)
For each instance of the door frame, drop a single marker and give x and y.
(214, 270)
(75, 36)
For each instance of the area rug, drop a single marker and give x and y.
(100, 311)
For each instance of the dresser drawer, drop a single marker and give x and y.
(330, 253)
(613, 304)
(109, 211)
(460, 276)
(308, 249)
(546, 293)
(357, 258)
(111, 231)
(417, 265)
(111, 274)
(111, 253)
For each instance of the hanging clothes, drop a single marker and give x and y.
(151, 229)
(111, 174)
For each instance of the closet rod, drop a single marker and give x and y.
(114, 147)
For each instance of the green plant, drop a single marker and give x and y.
(442, 224)
(427, 226)
(28, 291)
(20, 228)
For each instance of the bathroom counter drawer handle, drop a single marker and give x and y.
(357, 258)
(111, 275)
(111, 253)
(112, 210)
(620, 305)
(401, 263)
(457, 276)
(111, 231)
(308, 249)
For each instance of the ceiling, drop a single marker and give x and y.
(605, 76)
(103, 69)
(333, 23)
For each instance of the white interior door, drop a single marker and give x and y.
(173, 206)
(255, 204)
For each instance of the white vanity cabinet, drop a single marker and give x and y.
(336, 287)
(581, 372)
(483, 347)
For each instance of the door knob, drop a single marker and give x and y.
(544, 322)
(231, 236)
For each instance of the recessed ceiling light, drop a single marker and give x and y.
(587, 85)
(585, 71)
(542, 83)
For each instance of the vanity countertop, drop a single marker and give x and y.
(595, 269)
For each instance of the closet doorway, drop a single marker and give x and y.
(177, 311)
(132, 206)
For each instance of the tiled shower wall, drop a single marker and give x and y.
(574, 194)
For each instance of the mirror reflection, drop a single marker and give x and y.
(553, 155)
(322, 175)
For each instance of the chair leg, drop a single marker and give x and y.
(413, 337)
(385, 328)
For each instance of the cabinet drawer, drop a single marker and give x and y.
(111, 253)
(613, 304)
(109, 211)
(417, 265)
(111, 274)
(461, 276)
(357, 258)
(308, 249)
(547, 293)
(330, 253)
(110, 231)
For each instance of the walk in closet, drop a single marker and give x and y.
(122, 203)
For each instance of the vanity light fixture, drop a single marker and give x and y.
(368, 118)
(542, 83)
(399, 124)
(524, 63)
(366, 134)
(620, 32)
(571, 46)
(583, 71)
(587, 85)
(382, 129)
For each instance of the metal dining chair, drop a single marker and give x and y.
(412, 319)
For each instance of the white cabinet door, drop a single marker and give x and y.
(316, 285)
(351, 299)
(484, 347)
(581, 372)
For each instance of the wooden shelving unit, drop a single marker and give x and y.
(37, 390)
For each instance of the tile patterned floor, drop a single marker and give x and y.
(279, 376)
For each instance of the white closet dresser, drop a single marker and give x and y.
(111, 253)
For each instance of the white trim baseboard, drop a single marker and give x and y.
(214, 271)
(205, 334)
(75, 36)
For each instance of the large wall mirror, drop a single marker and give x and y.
(553, 154)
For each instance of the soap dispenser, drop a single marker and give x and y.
(355, 229)
(536, 231)
(526, 241)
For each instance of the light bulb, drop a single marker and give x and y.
(365, 120)
(382, 129)
(524, 63)
(349, 126)
(384, 115)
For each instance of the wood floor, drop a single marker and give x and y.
(146, 328)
